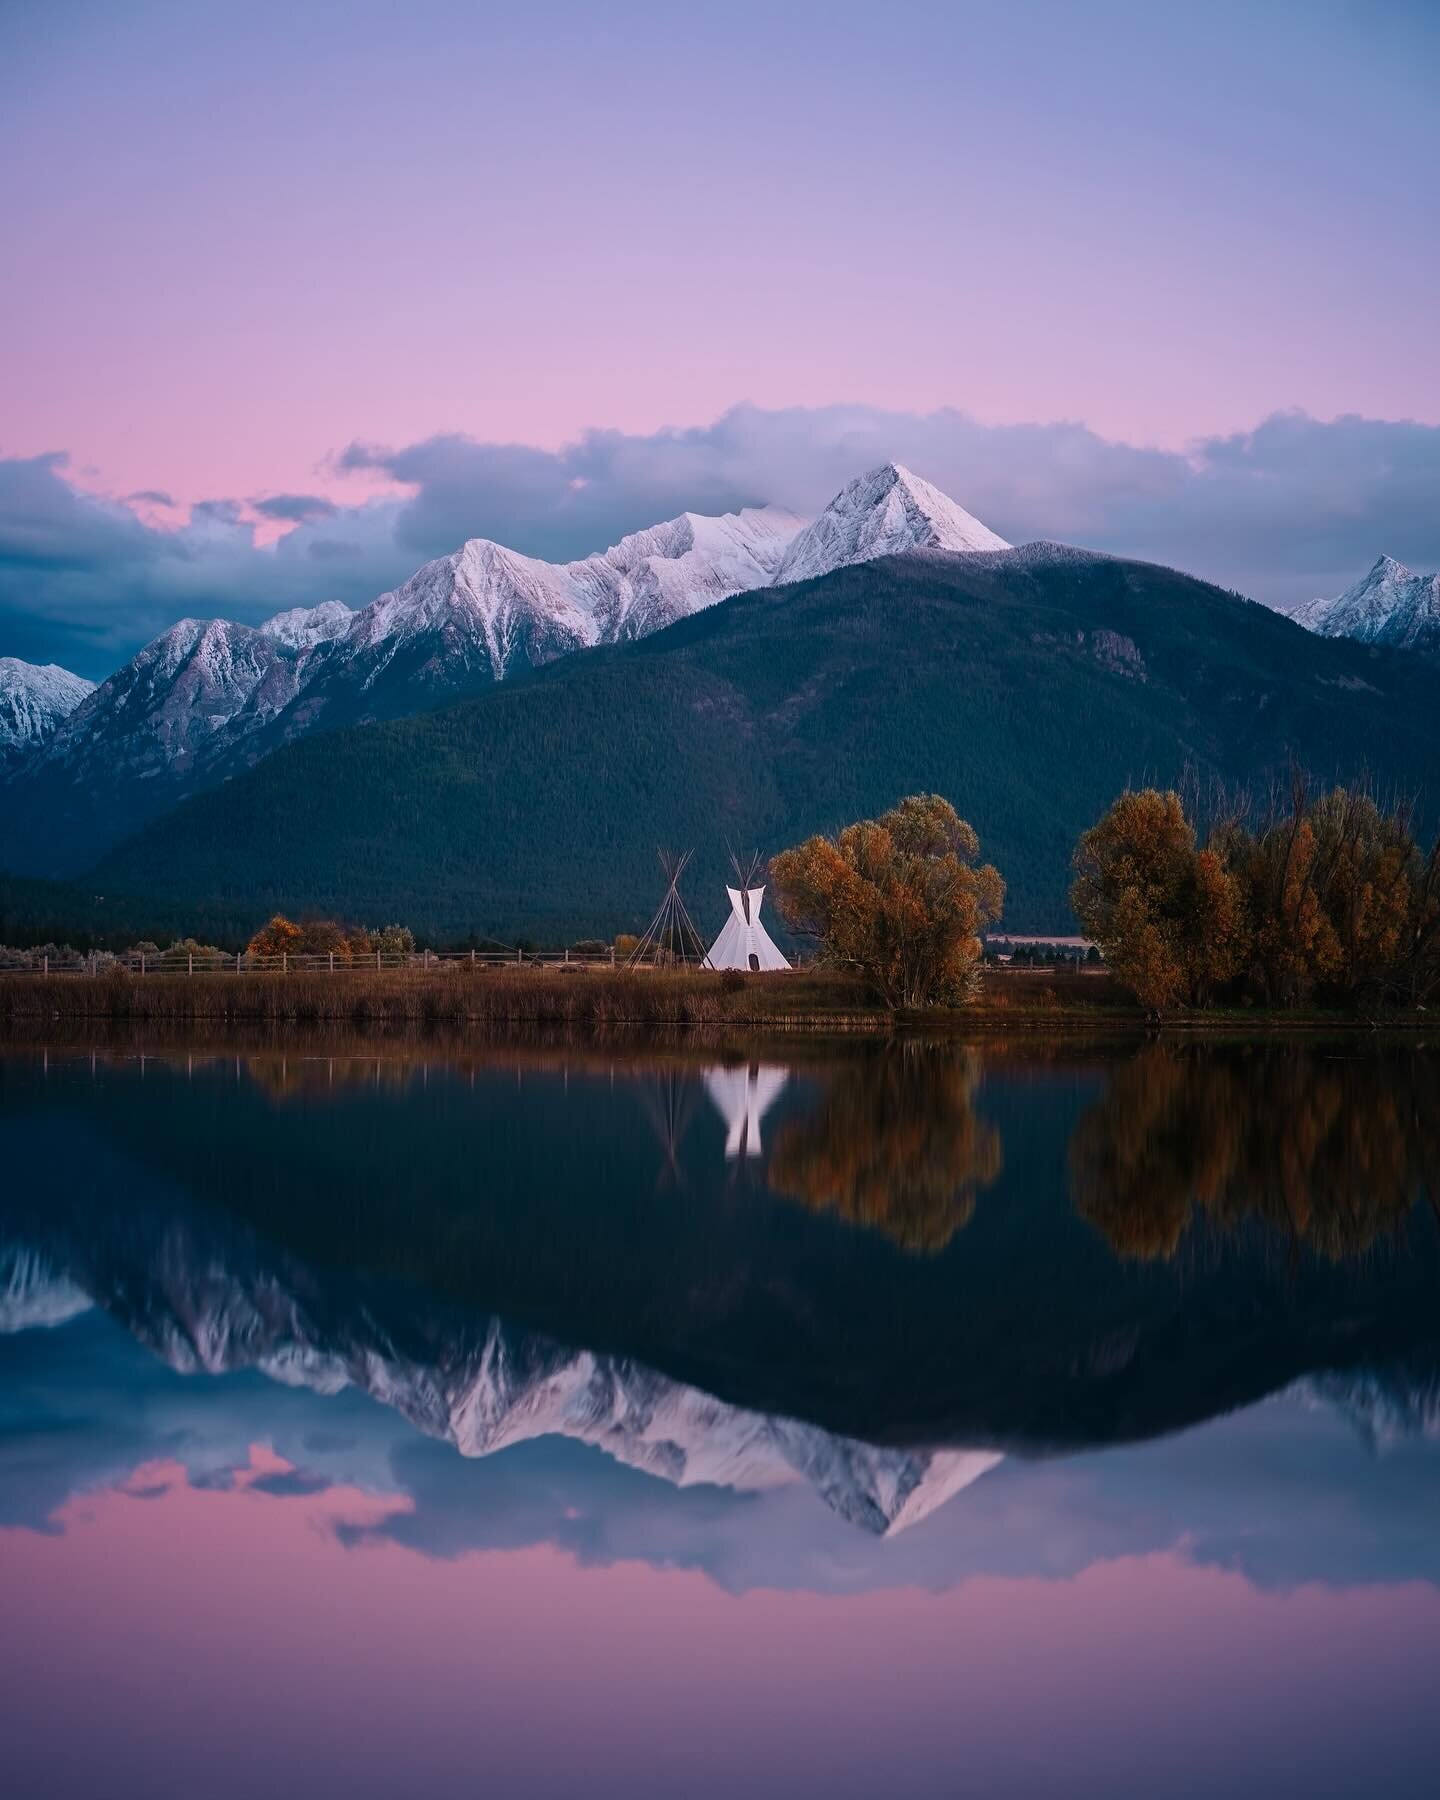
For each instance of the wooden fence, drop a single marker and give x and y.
(243, 962)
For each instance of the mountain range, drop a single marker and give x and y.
(484, 1386)
(1028, 685)
(892, 643)
(210, 697)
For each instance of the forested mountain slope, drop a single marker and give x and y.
(1026, 685)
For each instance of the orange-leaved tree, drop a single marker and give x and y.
(316, 937)
(1169, 917)
(899, 897)
(275, 935)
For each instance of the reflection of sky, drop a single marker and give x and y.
(229, 1585)
(1285, 1494)
(254, 1586)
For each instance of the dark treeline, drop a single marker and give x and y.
(1309, 897)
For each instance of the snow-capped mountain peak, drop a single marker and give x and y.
(1388, 605)
(884, 512)
(35, 699)
(201, 684)
(495, 604)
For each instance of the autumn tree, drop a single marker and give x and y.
(276, 935)
(899, 897)
(315, 937)
(1168, 916)
(1369, 873)
(1337, 898)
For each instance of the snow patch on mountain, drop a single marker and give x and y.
(302, 627)
(526, 612)
(514, 610)
(674, 569)
(35, 700)
(885, 512)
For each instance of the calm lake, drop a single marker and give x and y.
(383, 1417)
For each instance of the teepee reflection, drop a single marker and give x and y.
(744, 1096)
(669, 1101)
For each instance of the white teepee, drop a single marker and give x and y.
(744, 943)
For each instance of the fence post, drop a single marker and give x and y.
(567, 953)
(612, 956)
(377, 962)
(190, 970)
(332, 962)
(142, 962)
(472, 959)
(519, 954)
(284, 962)
(237, 962)
(47, 964)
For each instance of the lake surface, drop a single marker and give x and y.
(384, 1417)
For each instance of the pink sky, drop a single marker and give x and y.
(241, 244)
(290, 1659)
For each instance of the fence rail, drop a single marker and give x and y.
(244, 962)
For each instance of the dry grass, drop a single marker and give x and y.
(455, 994)
(591, 1001)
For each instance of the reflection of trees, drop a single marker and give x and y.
(1331, 1151)
(317, 1077)
(895, 1143)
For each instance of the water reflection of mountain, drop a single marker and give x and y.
(217, 1305)
(537, 1194)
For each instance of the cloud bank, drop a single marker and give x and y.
(1294, 508)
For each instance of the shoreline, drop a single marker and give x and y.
(797, 1004)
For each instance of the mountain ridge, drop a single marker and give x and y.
(481, 1386)
(208, 699)
(788, 711)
